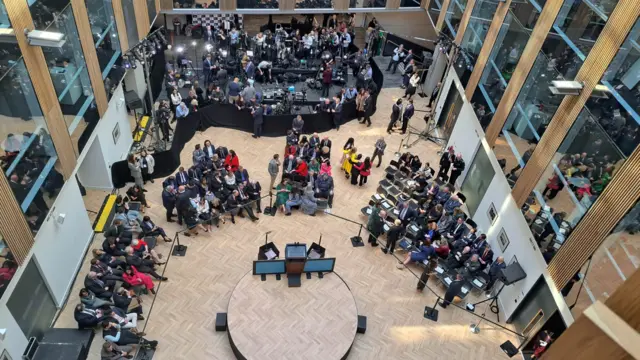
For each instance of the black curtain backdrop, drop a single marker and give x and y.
(228, 116)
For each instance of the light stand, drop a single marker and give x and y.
(493, 305)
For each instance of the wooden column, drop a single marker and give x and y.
(287, 5)
(538, 35)
(118, 14)
(611, 38)
(464, 21)
(487, 46)
(13, 226)
(393, 4)
(90, 55)
(443, 13)
(425, 4)
(343, 4)
(157, 7)
(228, 5)
(36, 65)
(585, 340)
(142, 18)
(166, 5)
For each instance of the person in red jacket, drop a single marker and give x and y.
(301, 171)
(365, 170)
(231, 162)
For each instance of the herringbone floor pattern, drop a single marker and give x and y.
(268, 320)
(200, 284)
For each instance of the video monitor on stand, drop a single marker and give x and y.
(269, 267)
(319, 265)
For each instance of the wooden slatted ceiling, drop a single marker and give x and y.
(118, 14)
(487, 46)
(538, 35)
(90, 55)
(585, 341)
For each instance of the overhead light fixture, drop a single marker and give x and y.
(8, 36)
(45, 38)
(565, 87)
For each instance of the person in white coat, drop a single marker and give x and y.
(147, 164)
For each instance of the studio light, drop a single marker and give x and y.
(224, 53)
(169, 46)
(208, 47)
(125, 62)
(194, 43)
(180, 49)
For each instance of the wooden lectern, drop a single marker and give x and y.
(295, 256)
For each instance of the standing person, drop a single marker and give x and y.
(398, 54)
(356, 165)
(365, 170)
(408, 71)
(183, 203)
(458, 168)
(395, 115)
(147, 163)
(426, 273)
(434, 94)
(274, 169)
(181, 111)
(327, 77)
(367, 104)
(169, 201)
(346, 149)
(413, 85)
(445, 163)
(452, 291)
(223, 79)
(379, 151)
(297, 125)
(360, 104)
(176, 99)
(136, 172)
(406, 116)
(375, 225)
(234, 91)
(394, 234)
(258, 120)
(337, 113)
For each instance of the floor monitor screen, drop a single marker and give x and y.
(266, 267)
(319, 265)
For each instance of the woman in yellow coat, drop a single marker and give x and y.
(350, 159)
(346, 149)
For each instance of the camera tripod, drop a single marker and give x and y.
(426, 135)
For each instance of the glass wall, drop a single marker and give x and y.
(327, 4)
(453, 17)
(130, 21)
(360, 3)
(510, 42)
(602, 137)
(9, 52)
(614, 261)
(151, 9)
(257, 4)
(410, 3)
(435, 7)
(561, 56)
(474, 36)
(107, 42)
(8, 267)
(4, 18)
(28, 159)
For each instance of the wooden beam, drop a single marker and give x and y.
(392, 4)
(616, 328)
(604, 50)
(529, 55)
(585, 341)
(425, 4)
(142, 18)
(90, 55)
(38, 70)
(157, 7)
(118, 14)
(286, 5)
(464, 21)
(487, 46)
(13, 225)
(443, 13)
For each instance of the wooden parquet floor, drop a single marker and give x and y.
(270, 321)
(200, 284)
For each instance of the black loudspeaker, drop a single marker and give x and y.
(509, 349)
(362, 324)
(221, 322)
(512, 274)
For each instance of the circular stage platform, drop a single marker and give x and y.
(267, 320)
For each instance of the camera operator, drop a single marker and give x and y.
(264, 71)
(258, 41)
(215, 95)
(356, 60)
(270, 46)
(163, 115)
(327, 79)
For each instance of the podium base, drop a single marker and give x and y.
(179, 250)
(356, 241)
(294, 280)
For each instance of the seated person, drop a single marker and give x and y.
(145, 266)
(126, 321)
(111, 351)
(230, 181)
(452, 203)
(105, 273)
(102, 289)
(117, 231)
(442, 249)
(426, 251)
(242, 175)
(445, 224)
(91, 301)
(443, 195)
(473, 265)
(129, 224)
(301, 171)
(435, 213)
(309, 203)
(456, 231)
(113, 332)
(150, 229)
(136, 193)
(457, 259)
(294, 200)
(124, 203)
(111, 261)
(324, 188)
(236, 207)
(142, 249)
(485, 256)
(128, 301)
(85, 317)
(110, 246)
(289, 165)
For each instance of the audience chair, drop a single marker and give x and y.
(323, 204)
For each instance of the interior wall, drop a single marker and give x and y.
(97, 161)
(134, 81)
(409, 25)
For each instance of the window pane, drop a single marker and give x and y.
(360, 3)
(8, 268)
(477, 181)
(409, 3)
(453, 16)
(434, 11)
(510, 42)
(29, 158)
(151, 8)
(9, 52)
(320, 4)
(130, 21)
(256, 4)
(4, 18)
(107, 41)
(611, 265)
(474, 36)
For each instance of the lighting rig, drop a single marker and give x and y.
(143, 53)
